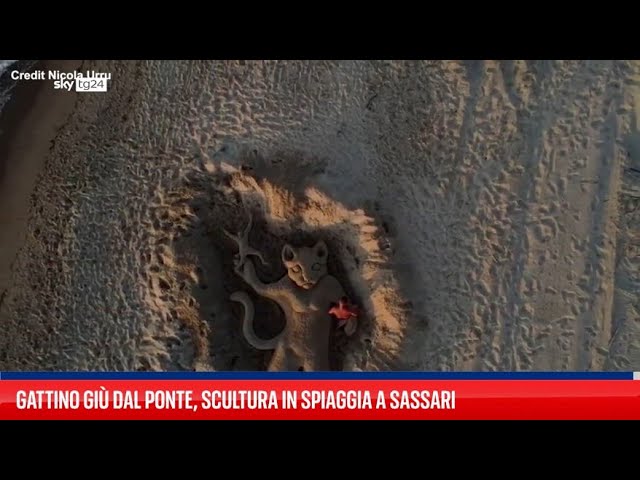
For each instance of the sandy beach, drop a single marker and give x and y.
(485, 215)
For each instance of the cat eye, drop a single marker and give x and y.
(315, 267)
(295, 269)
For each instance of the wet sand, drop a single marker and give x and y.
(28, 125)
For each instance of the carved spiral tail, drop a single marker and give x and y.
(247, 324)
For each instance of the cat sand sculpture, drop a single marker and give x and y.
(305, 294)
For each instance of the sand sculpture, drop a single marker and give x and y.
(305, 294)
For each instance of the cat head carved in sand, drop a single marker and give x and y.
(306, 265)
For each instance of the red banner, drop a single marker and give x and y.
(319, 399)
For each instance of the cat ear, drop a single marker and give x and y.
(288, 253)
(321, 250)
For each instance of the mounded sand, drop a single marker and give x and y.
(485, 214)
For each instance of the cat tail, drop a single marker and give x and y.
(247, 324)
